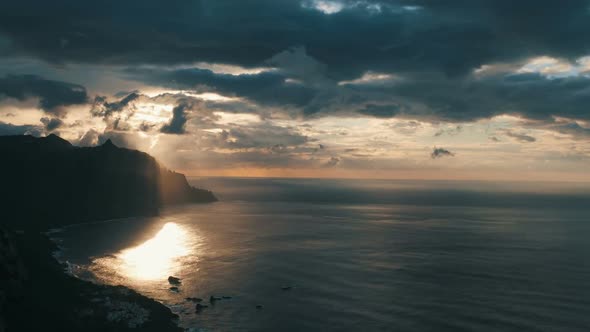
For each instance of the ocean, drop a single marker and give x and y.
(356, 255)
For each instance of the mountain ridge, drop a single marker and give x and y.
(50, 182)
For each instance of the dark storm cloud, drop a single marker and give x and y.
(425, 96)
(380, 111)
(452, 37)
(529, 95)
(265, 88)
(176, 124)
(440, 152)
(53, 95)
(431, 46)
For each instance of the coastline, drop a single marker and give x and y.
(53, 184)
(38, 286)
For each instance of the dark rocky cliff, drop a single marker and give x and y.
(49, 182)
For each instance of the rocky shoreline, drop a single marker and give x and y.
(37, 295)
(48, 182)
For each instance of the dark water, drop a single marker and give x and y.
(359, 255)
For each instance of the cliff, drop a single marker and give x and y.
(49, 182)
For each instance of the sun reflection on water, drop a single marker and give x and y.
(155, 259)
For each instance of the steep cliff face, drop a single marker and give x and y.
(49, 182)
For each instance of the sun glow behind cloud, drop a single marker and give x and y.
(553, 67)
(151, 112)
(211, 96)
(547, 66)
(222, 68)
(325, 6)
(369, 78)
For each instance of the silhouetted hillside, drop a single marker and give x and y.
(49, 182)
(35, 295)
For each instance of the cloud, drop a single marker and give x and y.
(268, 88)
(563, 126)
(10, 129)
(405, 127)
(529, 95)
(382, 36)
(51, 123)
(124, 139)
(278, 148)
(440, 152)
(380, 111)
(296, 64)
(426, 97)
(409, 58)
(178, 120)
(90, 138)
(521, 137)
(363, 72)
(144, 126)
(449, 131)
(105, 109)
(332, 162)
(255, 136)
(370, 78)
(53, 95)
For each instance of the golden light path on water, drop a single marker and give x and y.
(153, 260)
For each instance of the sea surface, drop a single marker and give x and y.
(356, 255)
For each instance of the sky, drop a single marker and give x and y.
(400, 89)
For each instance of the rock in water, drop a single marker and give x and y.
(173, 280)
(194, 299)
(200, 307)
